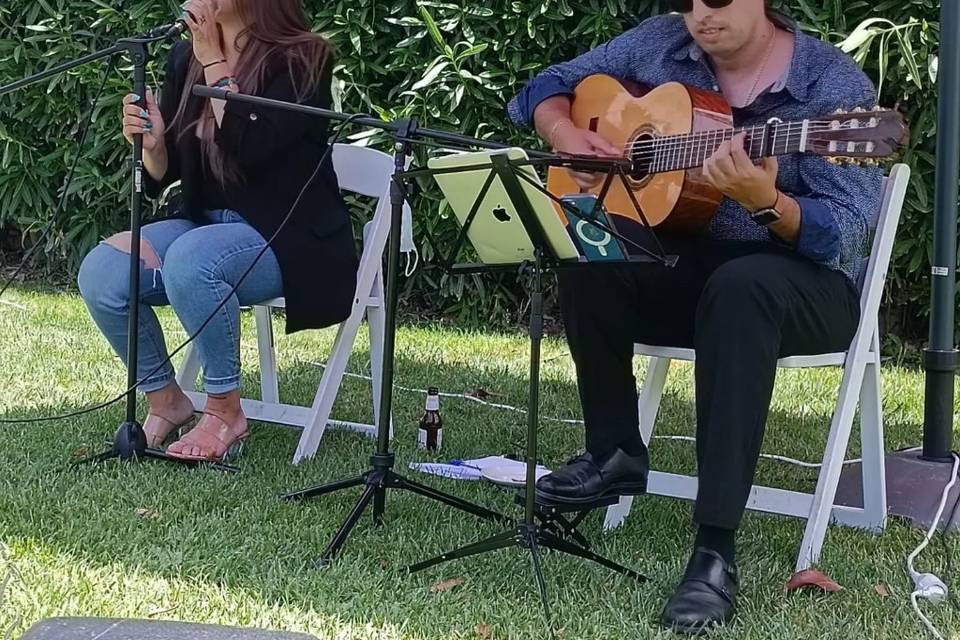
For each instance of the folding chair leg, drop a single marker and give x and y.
(329, 386)
(833, 458)
(189, 369)
(871, 442)
(649, 406)
(651, 394)
(269, 385)
(377, 327)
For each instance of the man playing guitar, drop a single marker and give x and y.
(773, 276)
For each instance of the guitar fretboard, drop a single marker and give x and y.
(689, 151)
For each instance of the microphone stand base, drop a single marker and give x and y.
(130, 444)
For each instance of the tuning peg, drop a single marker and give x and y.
(833, 160)
(858, 110)
(838, 112)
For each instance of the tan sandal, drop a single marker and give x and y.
(202, 444)
(159, 429)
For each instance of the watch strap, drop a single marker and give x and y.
(769, 215)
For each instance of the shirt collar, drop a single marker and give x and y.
(796, 80)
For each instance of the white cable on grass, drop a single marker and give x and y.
(927, 585)
(926, 621)
(505, 407)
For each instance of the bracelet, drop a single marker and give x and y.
(213, 64)
(224, 82)
(775, 203)
(554, 128)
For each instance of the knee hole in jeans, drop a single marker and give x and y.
(148, 255)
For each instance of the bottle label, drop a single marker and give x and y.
(433, 403)
(429, 439)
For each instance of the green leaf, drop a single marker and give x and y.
(430, 76)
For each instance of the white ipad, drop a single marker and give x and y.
(497, 233)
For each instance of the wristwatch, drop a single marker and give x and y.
(766, 217)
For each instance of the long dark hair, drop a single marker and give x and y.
(275, 29)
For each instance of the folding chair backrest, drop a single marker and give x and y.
(369, 172)
(873, 269)
(362, 170)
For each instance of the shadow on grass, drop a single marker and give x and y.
(230, 532)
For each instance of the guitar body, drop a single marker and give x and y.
(680, 201)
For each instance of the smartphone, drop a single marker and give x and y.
(589, 229)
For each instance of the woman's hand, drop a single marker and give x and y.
(201, 17)
(147, 121)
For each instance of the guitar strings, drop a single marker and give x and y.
(686, 151)
(828, 125)
(678, 147)
(670, 143)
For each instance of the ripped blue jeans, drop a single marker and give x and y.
(191, 268)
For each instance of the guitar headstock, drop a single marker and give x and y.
(860, 136)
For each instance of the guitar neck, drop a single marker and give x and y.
(689, 151)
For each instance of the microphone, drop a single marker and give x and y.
(179, 27)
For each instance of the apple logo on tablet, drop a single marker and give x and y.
(501, 214)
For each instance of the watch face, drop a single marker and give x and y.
(765, 217)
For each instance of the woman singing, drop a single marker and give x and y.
(241, 169)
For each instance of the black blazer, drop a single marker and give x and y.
(276, 152)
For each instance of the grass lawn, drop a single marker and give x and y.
(221, 549)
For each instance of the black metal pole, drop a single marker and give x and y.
(383, 460)
(395, 128)
(401, 151)
(61, 68)
(940, 357)
(130, 440)
(533, 414)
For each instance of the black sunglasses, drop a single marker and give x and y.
(686, 6)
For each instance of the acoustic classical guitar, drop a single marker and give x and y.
(667, 132)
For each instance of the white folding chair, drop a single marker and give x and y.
(366, 172)
(861, 383)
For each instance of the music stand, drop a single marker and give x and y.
(531, 534)
(381, 477)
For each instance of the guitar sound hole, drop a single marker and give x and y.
(641, 153)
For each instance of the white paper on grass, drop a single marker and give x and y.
(473, 470)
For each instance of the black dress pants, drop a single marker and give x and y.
(741, 306)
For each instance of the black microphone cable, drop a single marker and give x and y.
(88, 121)
(326, 155)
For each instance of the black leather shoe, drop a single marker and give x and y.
(587, 479)
(707, 596)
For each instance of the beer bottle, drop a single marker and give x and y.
(431, 425)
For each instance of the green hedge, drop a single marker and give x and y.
(451, 66)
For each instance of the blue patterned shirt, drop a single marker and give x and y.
(837, 203)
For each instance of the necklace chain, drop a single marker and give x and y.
(763, 68)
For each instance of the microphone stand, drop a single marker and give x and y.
(380, 477)
(130, 442)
